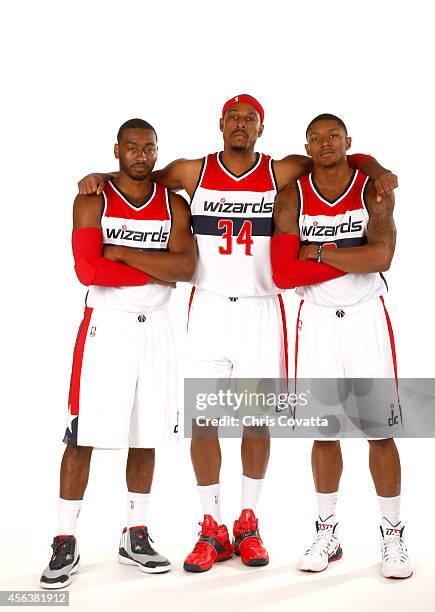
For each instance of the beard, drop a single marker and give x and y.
(134, 173)
(239, 147)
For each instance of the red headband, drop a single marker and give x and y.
(247, 99)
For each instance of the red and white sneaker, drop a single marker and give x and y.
(325, 548)
(247, 541)
(213, 545)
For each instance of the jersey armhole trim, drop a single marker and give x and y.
(201, 176)
(272, 174)
(103, 204)
(300, 200)
(168, 196)
(364, 195)
(168, 203)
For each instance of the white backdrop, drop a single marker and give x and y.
(71, 74)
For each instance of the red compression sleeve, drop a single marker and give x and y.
(288, 272)
(357, 160)
(93, 269)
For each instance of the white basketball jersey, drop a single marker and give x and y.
(146, 227)
(232, 218)
(342, 222)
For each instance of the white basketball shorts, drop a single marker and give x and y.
(238, 337)
(123, 390)
(353, 342)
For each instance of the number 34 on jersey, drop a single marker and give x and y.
(232, 218)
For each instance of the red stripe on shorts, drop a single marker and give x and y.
(392, 344)
(284, 332)
(297, 342)
(74, 389)
(190, 305)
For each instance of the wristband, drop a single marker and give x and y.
(319, 253)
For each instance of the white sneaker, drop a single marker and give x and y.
(324, 549)
(395, 560)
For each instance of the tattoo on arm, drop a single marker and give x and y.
(285, 215)
(381, 228)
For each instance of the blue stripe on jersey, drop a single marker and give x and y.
(341, 242)
(208, 225)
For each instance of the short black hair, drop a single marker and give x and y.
(327, 117)
(134, 123)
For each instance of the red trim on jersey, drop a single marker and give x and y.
(257, 179)
(190, 304)
(284, 332)
(297, 342)
(154, 209)
(74, 389)
(392, 343)
(349, 200)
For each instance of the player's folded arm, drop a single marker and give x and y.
(377, 254)
(87, 245)
(179, 262)
(288, 271)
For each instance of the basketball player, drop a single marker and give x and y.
(343, 326)
(236, 319)
(130, 245)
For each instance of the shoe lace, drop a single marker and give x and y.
(205, 532)
(61, 549)
(321, 544)
(394, 549)
(142, 541)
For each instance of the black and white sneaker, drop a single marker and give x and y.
(135, 549)
(395, 559)
(64, 562)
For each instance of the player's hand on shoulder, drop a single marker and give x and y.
(92, 184)
(385, 184)
(377, 203)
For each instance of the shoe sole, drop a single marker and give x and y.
(253, 562)
(163, 569)
(335, 557)
(196, 569)
(60, 585)
(398, 577)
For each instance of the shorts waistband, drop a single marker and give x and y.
(234, 298)
(338, 311)
(158, 313)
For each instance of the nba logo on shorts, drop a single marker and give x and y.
(93, 330)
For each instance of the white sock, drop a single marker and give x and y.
(68, 511)
(326, 504)
(137, 509)
(210, 496)
(251, 489)
(390, 508)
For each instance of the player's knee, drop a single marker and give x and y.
(78, 453)
(256, 431)
(326, 443)
(381, 443)
(204, 432)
